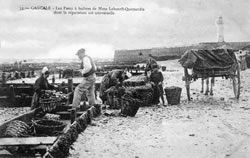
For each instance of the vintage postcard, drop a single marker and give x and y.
(124, 78)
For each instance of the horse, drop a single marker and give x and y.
(238, 55)
(212, 81)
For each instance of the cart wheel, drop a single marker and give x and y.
(236, 83)
(187, 80)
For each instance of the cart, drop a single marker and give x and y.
(211, 63)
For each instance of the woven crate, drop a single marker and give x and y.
(113, 101)
(143, 93)
(51, 117)
(173, 95)
(130, 105)
(17, 128)
(48, 104)
(48, 126)
(114, 97)
(135, 81)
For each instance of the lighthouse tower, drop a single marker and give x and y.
(220, 29)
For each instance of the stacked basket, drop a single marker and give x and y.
(50, 99)
(48, 127)
(130, 105)
(135, 81)
(114, 97)
(48, 104)
(143, 93)
(17, 128)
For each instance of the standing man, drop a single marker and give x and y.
(88, 82)
(156, 79)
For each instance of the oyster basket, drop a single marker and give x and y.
(49, 104)
(130, 105)
(113, 101)
(173, 95)
(17, 128)
(48, 126)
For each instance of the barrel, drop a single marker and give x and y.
(173, 95)
(163, 68)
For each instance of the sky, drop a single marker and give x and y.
(163, 23)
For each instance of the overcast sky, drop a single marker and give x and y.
(164, 23)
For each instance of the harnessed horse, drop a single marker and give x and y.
(238, 54)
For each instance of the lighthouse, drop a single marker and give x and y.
(220, 29)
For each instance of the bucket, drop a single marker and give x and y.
(173, 95)
(163, 68)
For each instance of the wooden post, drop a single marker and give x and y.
(53, 79)
(73, 115)
(60, 74)
(72, 73)
(187, 79)
(12, 93)
(70, 85)
(3, 78)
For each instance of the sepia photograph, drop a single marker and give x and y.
(124, 79)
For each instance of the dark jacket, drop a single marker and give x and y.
(109, 80)
(156, 77)
(42, 84)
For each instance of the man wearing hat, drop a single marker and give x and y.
(41, 84)
(88, 83)
(156, 79)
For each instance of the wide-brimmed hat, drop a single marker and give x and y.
(80, 51)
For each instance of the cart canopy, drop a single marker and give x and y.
(208, 59)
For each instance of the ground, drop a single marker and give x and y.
(207, 127)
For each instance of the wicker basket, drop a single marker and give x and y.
(173, 95)
(135, 81)
(130, 105)
(113, 101)
(17, 128)
(48, 126)
(143, 93)
(48, 104)
(114, 97)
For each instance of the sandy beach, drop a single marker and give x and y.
(206, 127)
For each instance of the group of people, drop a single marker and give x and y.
(87, 85)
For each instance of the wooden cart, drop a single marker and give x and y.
(232, 72)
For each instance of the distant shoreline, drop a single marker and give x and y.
(46, 60)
